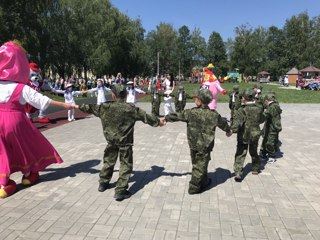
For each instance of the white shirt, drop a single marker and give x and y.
(131, 94)
(28, 95)
(68, 96)
(101, 98)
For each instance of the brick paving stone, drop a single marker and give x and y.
(280, 203)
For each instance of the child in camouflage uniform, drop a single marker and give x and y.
(156, 101)
(272, 128)
(201, 127)
(118, 119)
(180, 99)
(246, 124)
(234, 101)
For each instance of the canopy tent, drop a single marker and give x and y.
(263, 77)
(263, 73)
(310, 69)
(310, 72)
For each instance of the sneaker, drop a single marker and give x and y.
(122, 195)
(272, 160)
(73, 119)
(69, 119)
(238, 178)
(102, 187)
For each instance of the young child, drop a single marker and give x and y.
(118, 119)
(156, 101)
(181, 99)
(22, 146)
(246, 124)
(100, 89)
(201, 127)
(68, 96)
(131, 93)
(234, 101)
(272, 127)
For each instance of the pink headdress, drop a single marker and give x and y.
(14, 65)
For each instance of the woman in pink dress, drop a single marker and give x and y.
(22, 147)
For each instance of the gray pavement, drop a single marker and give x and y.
(283, 202)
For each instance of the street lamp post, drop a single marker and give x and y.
(158, 56)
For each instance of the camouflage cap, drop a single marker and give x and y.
(204, 95)
(119, 90)
(248, 94)
(181, 87)
(269, 96)
(235, 86)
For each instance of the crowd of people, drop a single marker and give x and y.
(118, 117)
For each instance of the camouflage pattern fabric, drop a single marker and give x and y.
(246, 123)
(180, 105)
(155, 102)
(234, 105)
(201, 126)
(118, 119)
(272, 127)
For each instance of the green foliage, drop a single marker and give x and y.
(84, 36)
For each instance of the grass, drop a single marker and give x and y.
(284, 95)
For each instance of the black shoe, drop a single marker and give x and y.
(191, 191)
(208, 183)
(255, 172)
(102, 187)
(122, 195)
(238, 178)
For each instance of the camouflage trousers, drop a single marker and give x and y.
(109, 161)
(155, 109)
(180, 106)
(199, 178)
(269, 144)
(241, 154)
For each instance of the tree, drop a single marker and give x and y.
(198, 48)
(216, 53)
(164, 41)
(184, 51)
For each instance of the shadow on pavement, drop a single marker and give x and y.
(70, 171)
(142, 178)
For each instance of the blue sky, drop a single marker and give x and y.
(221, 16)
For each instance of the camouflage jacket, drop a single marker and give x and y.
(201, 126)
(185, 96)
(156, 97)
(118, 119)
(246, 123)
(273, 118)
(237, 101)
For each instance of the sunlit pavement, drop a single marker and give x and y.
(280, 203)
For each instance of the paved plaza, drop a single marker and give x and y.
(283, 202)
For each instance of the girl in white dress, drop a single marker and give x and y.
(168, 83)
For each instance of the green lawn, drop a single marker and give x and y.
(284, 95)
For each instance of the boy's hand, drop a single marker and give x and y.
(162, 122)
(229, 133)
